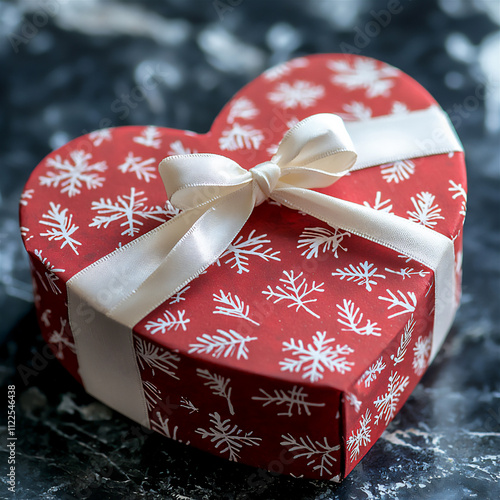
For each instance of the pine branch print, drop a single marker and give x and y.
(167, 322)
(373, 372)
(363, 274)
(353, 400)
(162, 427)
(229, 438)
(186, 403)
(149, 137)
(360, 437)
(407, 303)
(383, 206)
(315, 238)
(143, 169)
(351, 318)
(49, 274)
(225, 344)
(61, 227)
(218, 385)
(398, 171)
(177, 148)
(60, 341)
(313, 359)
(387, 403)
(99, 136)
(295, 291)
(152, 394)
(242, 108)
(318, 453)
(408, 272)
(156, 358)
(459, 191)
(425, 213)
(241, 249)
(232, 306)
(240, 137)
(291, 398)
(179, 296)
(404, 342)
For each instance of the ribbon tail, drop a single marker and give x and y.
(422, 244)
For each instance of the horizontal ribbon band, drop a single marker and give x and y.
(217, 196)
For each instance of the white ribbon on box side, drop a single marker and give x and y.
(218, 196)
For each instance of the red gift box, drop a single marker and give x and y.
(298, 345)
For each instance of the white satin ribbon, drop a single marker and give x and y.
(218, 196)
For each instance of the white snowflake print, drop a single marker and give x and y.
(44, 318)
(26, 195)
(240, 137)
(167, 322)
(284, 69)
(219, 386)
(162, 427)
(373, 372)
(225, 344)
(49, 274)
(399, 108)
(295, 291)
(99, 136)
(294, 398)
(421, 354)
(171, 211)
(316, 238)
(156, 358)
(387, 403)
(186, 403)
(408, 272)
(143, 169)
(298, 94)
(242, 108)
(179, 296)
(177, 148)
(61, 341)
(364, 74)
(314, 358)
(404, 342)
(382, 205)
(152, 394)
(356, 111)
(353, 400)
(128, 209)
(458, 190)
(241, 249)
(149, 137)
(229, 438)
(71, 174)
(425, 213)
(318, 453)
(398, 171)
(24, 233)
(352, 318)
(360, 437)
(61, 227)
(407, 302)
(232, 306)
(364, 274)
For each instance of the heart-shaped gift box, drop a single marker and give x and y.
(298, 345)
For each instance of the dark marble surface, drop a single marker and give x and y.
(67, 67)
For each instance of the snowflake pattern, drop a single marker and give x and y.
(356, 111)
(352, 318)
(240, 137)
(364, 74)
(353, 400)
(316, 238)
(382, 205)
(295, 291)
(156, 358)
(167, 322)
(359, 437)
(373, 372)
(387, 403)
(143, 169)
(225, 344)
(177, 148)
(318, 453)
(71, 174)
(228, 437)
(179, 296)
(242, 108)
(60, 226)
(26, 195)
(149, 137)
(404, 342)
(459, 191)
(294, 398)
(298, 94)
(241, 249)
(425, 213)
(60, 341)
(128, 209)
(284, 69)
(364, 274)
(219, 386)
(421, 354)
(313, 359)
(232, 306)
(99, 136)
(398, 171)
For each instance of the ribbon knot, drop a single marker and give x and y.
(266, 176)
